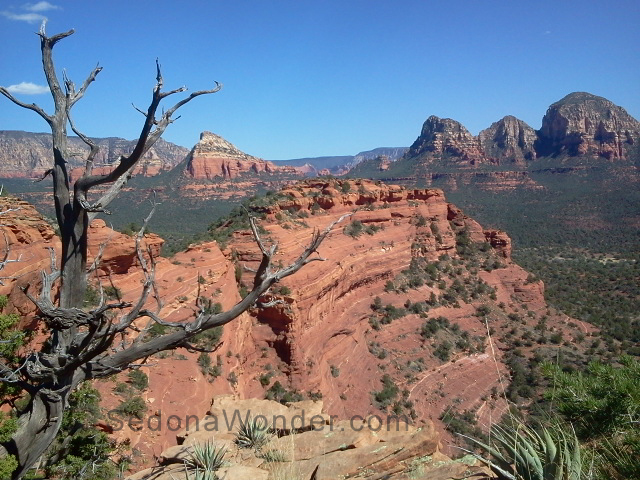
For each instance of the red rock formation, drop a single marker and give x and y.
(444, 136)
(119, 253)
(27, 238)
(585, 124)
(213, 156)
(320, 338)
(509, 140)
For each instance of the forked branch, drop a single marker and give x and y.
(152, 130)
(106, 364)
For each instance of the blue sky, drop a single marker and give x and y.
(310, 78)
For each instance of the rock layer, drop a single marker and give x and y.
(213, 156)
(509, 140)
(320, 337)
(29, 155)
(585, 124)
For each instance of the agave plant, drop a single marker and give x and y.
(253, 433)
(519, 452)
(205, 459)
(619, 458)
(197, 474)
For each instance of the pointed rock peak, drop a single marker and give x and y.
(509, 139)
(213, 156)
(444, 125)
(212, 144)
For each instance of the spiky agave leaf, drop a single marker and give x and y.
(254, 433)
(198, 474)
(207, 457)
(521, 453)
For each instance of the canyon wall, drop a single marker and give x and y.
(343, 324)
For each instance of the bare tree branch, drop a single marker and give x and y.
(91, 78)
(28, 106)
(106, 364)
(147, 138)
(45, 175)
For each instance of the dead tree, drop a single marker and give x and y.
(82, 342)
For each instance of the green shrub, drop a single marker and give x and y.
(265, 379)
(113, 292)
(133, 407)
(209, 338)
(91, 297)
(389, 392)
(139, 380)
(354, 229)
(280, 394)
(205, 459)
(443, 351)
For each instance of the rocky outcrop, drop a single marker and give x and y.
(581, 124)
(213, 156)
(322, 337)
(29, 155)
(119, 254)
(444, 136)
(321, 333)
(509, 140)
(585, 124)
(312, 444)
(25, 244)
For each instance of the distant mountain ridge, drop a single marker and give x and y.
(578, 124)
(339, 164)
(25, 154)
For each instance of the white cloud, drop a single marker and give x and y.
(28, 88)
(40, 7)
(24, 17)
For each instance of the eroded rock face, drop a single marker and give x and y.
(444, 136)
(26, 241)
(29, 155)
(585, 124)
(509, 140)
(213, 156)
(320, 339)
(322, 447)
(119, 254)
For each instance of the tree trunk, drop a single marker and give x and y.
(37, 428)
(74, 259)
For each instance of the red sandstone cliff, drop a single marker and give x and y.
(213, 156)
(325, 338)
(585, 124)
